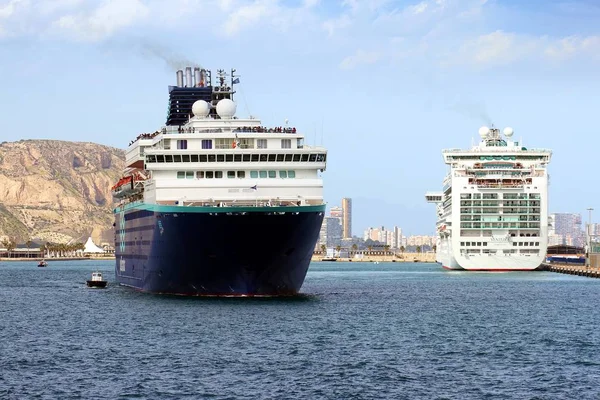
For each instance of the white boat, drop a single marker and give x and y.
(97, 280)
(493, 209)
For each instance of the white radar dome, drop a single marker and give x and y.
(484, 131)
(200, 108)
(226, 108)
(508, 132)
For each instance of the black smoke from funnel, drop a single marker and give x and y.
(172, 59)
(150, 50)
(471, 109)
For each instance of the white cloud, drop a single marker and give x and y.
(102, 22)
(225, 5)
(360, 57)
(418, 8)
(496, 48)
(9, 9)
(501, 48)
(310, 3)
(249, 15)
(421, 32)
(336, 24)
(573, 46)
(9, 12)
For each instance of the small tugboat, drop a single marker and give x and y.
(97, 281)
(43, 264)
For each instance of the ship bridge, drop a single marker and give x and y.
(433, 197)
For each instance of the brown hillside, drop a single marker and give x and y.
(57, 191)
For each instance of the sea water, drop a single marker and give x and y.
(358, 331)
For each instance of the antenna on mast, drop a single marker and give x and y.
(322, 121)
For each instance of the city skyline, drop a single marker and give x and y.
(384, 85)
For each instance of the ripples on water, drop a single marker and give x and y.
(359, 331)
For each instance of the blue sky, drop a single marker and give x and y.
(385, 85)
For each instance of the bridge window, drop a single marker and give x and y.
(286, 143)
(168, 158)
(185, 157)
(224, 143)
(160, 158)
(264, 157)
(229, 157)
(202, 158)
(297, 157)
(304, 157)
(194, 157)
(206, 144)
(321, 157)
(182, 144)
(176, 157)
(185, 174)
(211, 158)
(288, 157)
(255, 157)
(272, 157)
(312, 158)
(220, 157)
(280, 157)
(261, 143)
(237, 158)
(246, 157)
(246, 143)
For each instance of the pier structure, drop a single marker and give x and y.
(580, 270)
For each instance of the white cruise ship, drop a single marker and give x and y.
(217, 205)
(493, 209)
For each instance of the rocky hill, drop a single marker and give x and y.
(57, 191)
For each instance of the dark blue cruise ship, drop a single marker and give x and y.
(216, 205)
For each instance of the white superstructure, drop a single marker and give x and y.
(493, 209)
(217, 159)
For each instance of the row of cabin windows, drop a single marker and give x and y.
(244, 143)
(505, 196)
(485, 244)
(506, 251)
(151, 158)
(234, 174)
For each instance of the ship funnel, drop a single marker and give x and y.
(188, 77)
(202, 82)
(180, 78)
(197, 78)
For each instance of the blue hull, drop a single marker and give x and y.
(207, 251)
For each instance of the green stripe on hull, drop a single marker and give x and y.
(201, 209)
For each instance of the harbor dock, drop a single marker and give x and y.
(391, 257)
(581, 270)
